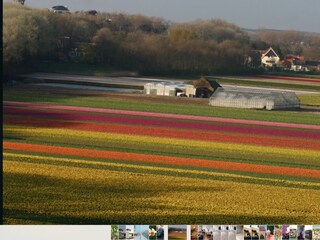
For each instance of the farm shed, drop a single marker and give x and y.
(204, 87)
(251, 98)
(169, 89)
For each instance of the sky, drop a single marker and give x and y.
(253, 14)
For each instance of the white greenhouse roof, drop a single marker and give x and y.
(249, 98)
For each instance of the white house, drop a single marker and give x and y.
(270, 59)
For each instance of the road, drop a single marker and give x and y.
(86, 87)
(272, 89)
(63, 78)
(272, 80)
(124, 82)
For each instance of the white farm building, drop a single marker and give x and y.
(238, 97)
(169, 89)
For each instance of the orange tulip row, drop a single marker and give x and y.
(187, 162)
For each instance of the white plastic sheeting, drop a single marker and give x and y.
(238, 97)
(169, 89)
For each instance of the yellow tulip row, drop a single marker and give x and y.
(150, 169)
(195, 144)
(171, 198)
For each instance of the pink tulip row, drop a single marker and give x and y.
(290, 78)
(133, 120)
(163, 115)
(163, 132)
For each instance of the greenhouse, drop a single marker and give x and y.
(238, 97)
(169, 89)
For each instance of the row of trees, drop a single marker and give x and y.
(146, 44)
(290, 42)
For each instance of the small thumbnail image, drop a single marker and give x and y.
(160, 232)
(141, 232)
(205, 232)
(278, 232)
(308, 232)
(239, 235)
(224, 232)
(285, 232)
(194, 232)
(270, 232)
(114, 232)
(293, 232)
(247, 232)
(232, 233)
(300, 232)
(177, 232)
(316, 232)
(254, 232)
(152, 232)
(122, 232)
(216, 234)
(129, 232)
(262, 230)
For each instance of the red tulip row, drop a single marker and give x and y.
(290, 78)
(167, 132)
(158, 122)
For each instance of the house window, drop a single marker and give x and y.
(271, 54)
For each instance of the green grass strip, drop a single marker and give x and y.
(269, 84)
(152, 105)
(310, 99)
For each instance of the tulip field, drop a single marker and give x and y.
(105, 161)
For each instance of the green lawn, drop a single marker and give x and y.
(310, 99)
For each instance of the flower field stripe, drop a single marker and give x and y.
(241, 167)
(122, 138)
(164, 149)
(166, 123)
(126, 197)
(150, 169)
(163, 115)
(290, 78)
(167, 132)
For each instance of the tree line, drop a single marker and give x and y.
(135, 42)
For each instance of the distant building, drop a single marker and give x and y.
(293, 62)
(239, 97)
(59, 9)
(19, 1)
(170, 89)
(270, 59)
(313, 65)
(205, 87)
(298, 63)
(92, 12)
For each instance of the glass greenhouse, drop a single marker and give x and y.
(251, 98)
